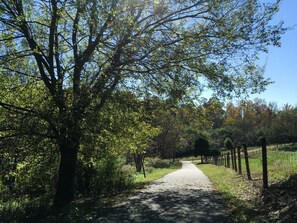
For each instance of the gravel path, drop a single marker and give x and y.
(185, 195)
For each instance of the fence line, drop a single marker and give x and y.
(224, 160)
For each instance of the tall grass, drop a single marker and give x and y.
(281, 164)
(23, 207)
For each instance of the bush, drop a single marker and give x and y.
(158, 163)
(111, 176)
(32, 191)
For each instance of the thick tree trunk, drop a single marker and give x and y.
(68, 146)
(66, 178)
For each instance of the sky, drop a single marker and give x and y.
(281, 62)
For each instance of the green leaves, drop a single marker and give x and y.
(151, 42)
(66, 65)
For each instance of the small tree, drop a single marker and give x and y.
(201, 147)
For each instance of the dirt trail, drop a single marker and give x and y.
(185, 195)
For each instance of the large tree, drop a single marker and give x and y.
(81, 51)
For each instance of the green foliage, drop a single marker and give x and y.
(66, 66)
(156, 173)
(243, 197)
(214, 152)
(228, 144)
(111, 176)
(157, 162)
(201, 146)
(285, 125)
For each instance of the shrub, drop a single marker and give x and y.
(111, 176)
(158, 163)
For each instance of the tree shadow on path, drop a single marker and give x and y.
(169, 206)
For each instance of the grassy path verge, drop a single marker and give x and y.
(154, 174)
(245, 199)
(240, 195)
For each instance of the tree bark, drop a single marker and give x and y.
(66, 178)
(143, 169)
(138, 162)
(69, 143)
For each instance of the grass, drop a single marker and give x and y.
(281, 164)
(155, 174)
(240, 196)
(191, 158)
(243, 197)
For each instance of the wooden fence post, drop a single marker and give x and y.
(234, 158)
(247, 165)
(264, 162)
(239, 160)
(228, 159)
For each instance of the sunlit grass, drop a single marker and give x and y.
(281, 164)
(241, 195)
(155, 174)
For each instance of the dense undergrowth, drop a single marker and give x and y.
(110, 180)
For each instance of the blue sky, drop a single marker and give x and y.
(281, 62)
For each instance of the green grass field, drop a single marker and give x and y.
(281, 164)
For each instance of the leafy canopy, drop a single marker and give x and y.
(167, 46)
